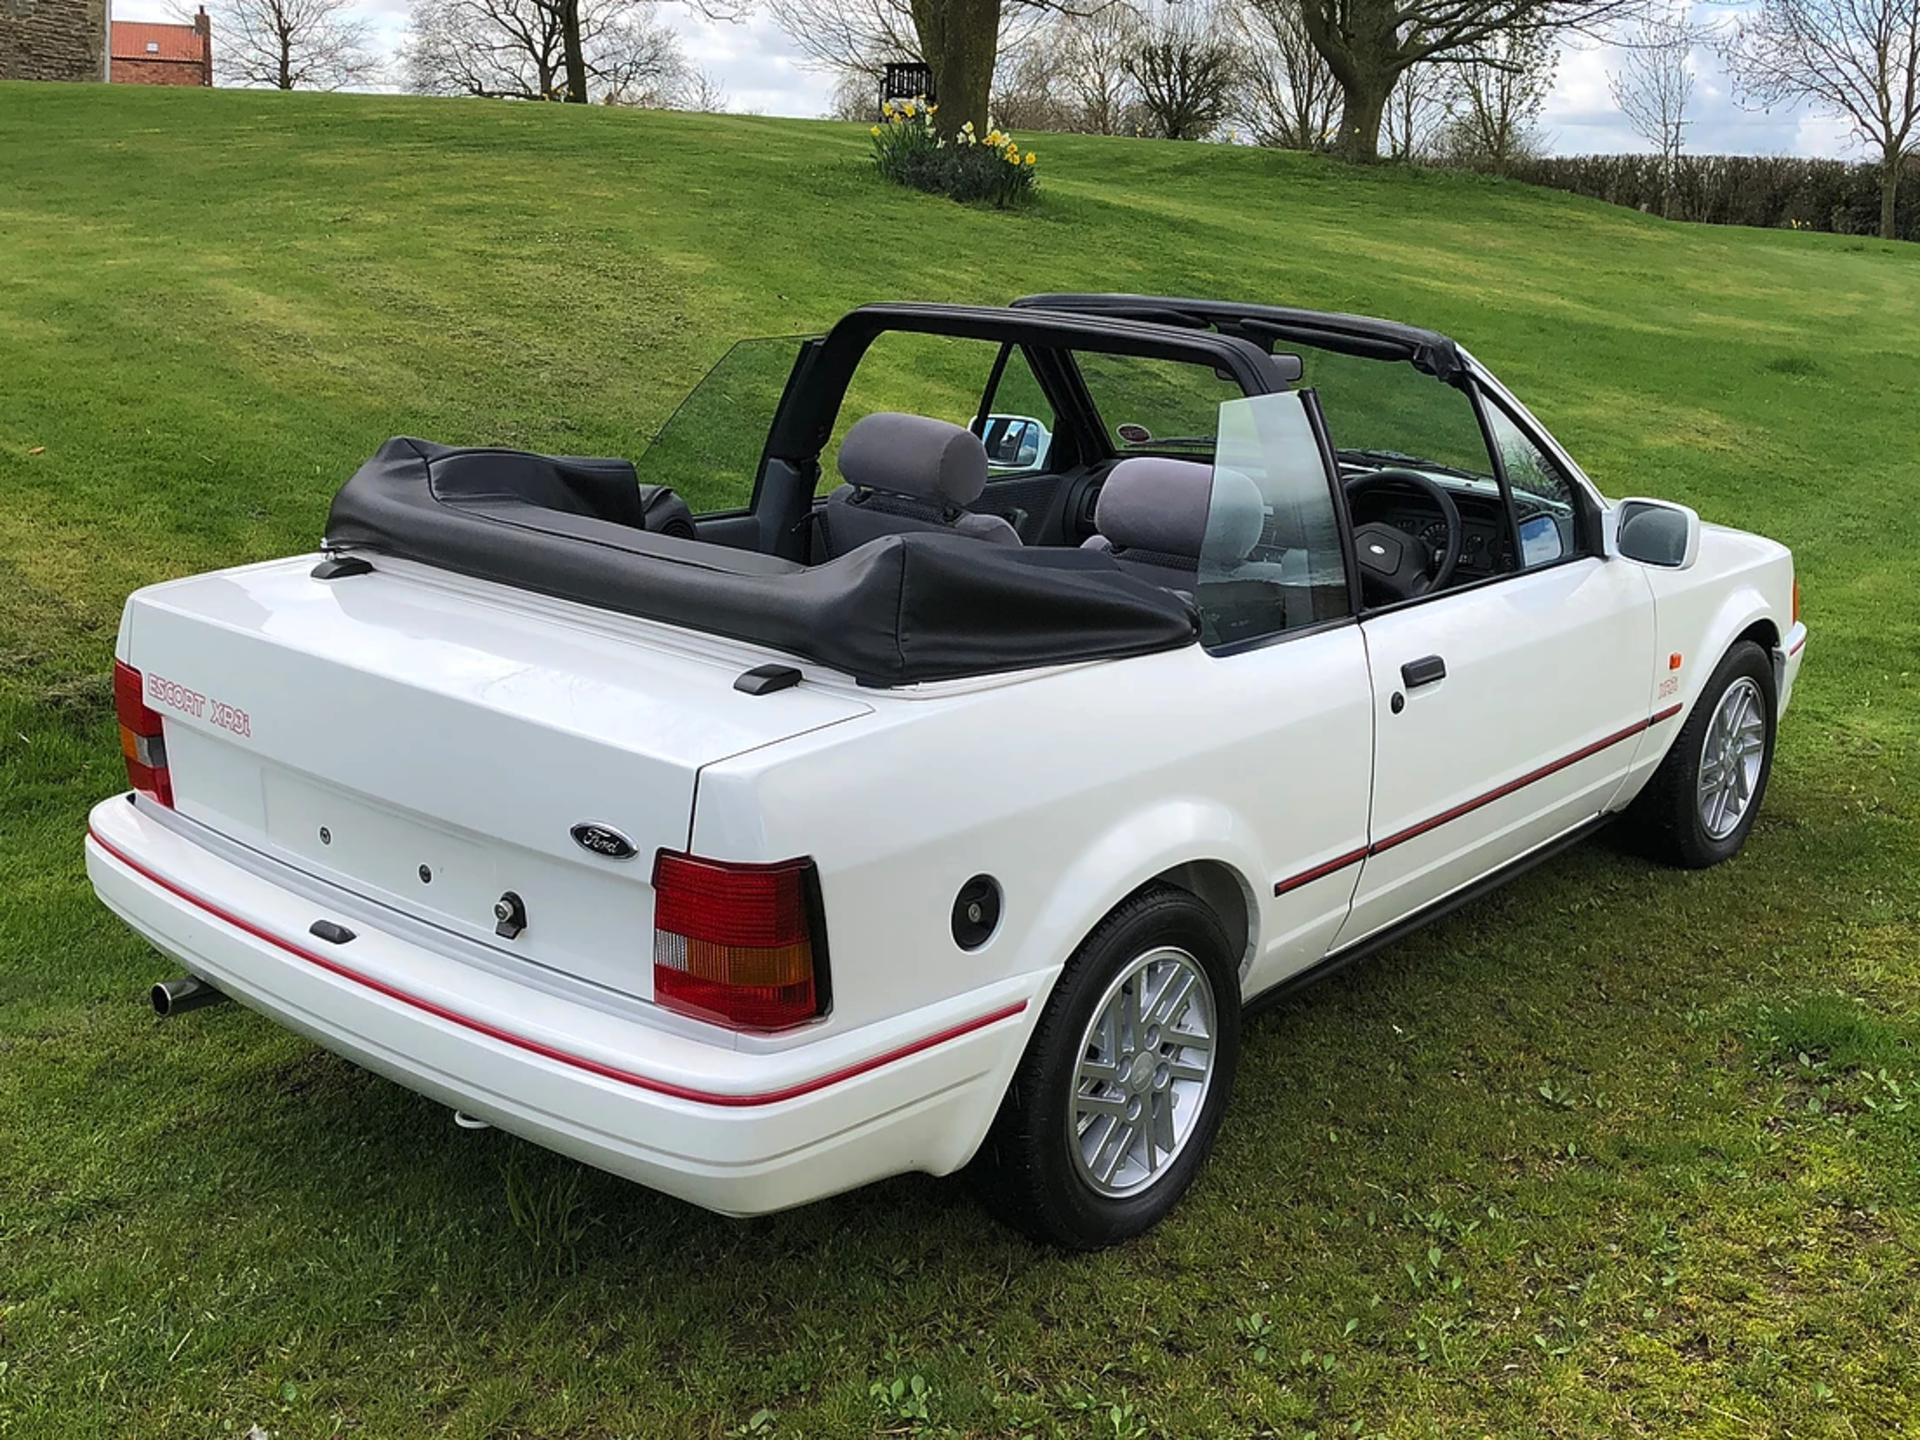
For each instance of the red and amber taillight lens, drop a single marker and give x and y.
(1796, 599)
(740, 945)
(141, 740)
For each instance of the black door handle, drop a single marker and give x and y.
(1423, 671)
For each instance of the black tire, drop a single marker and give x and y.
(1028, 1170)
(1665, 820)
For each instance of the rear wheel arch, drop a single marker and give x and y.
(1223, 890)
(1022, 1168)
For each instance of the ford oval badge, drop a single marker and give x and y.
(603, 840)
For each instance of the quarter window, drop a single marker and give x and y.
(1271, 561)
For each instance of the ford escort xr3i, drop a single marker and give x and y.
(1060, 680)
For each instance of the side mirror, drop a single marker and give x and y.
(1016, 442)
(1656, 532)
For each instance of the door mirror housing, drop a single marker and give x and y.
(1656, 532)
(1016, 442)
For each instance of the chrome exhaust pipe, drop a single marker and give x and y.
(189, 992)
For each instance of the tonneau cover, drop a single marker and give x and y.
(898, 610)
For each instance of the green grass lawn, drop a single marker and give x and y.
(1618, 1152)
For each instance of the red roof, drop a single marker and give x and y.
(132, 41)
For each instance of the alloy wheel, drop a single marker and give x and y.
(1730, 756)
(1146, 1063)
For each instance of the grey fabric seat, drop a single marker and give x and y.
(908, 473)
(1153, 516)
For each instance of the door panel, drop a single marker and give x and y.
(1306, 788)
(1548, 679)
(1030, 503)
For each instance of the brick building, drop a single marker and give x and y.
(53, 39)
(163, 54)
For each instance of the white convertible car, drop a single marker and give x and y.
(1076, 674)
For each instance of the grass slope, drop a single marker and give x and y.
(1620, 1151)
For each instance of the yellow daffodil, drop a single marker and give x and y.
(1030, 157)
(909, 109)
(875, 130)
(932, 108)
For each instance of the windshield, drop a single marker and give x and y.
(1155, 406)
(1384, 413)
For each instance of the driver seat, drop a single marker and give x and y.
(905, 474)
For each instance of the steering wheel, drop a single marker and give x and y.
(1395, 566)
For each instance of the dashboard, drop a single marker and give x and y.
(1484, 549)
(1545, 530)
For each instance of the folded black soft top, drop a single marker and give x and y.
(898, 610)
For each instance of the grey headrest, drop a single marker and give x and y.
(914, 455)
(1152, 503)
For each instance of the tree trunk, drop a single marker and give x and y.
(1363, 103)
(1889, 193)
(958, 39)
(1364, 52)
(576, 58)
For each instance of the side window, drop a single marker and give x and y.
(1020, 423)
(942, 376)
(1271, 561)
(709, 449)
(1544, 508)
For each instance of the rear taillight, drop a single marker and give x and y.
(1796, 599)
(740, 945)
(141, 740)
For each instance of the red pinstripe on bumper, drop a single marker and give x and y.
(535, 1047)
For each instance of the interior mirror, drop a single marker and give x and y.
(1657, 532)
(1016, 442)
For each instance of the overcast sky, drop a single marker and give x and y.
(757, 66)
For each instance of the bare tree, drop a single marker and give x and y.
(959, 40)
(1652, 87)
(1855, 59)
(518, 49)
(1498, 100)
(1188, 72)
(702, 92)
(292, 44)
(1291, 97)
(1094, 51)
(856, 38)
(849, 38)
(1029, 90)
(854, 97)
(1369, 44)
(1418, 111)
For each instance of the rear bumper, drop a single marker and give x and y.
(738, 1132)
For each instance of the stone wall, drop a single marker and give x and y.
(52, 39)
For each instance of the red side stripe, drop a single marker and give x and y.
(1307, 877)
(1413, 832)
(1798, 646)
(535, 1047)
